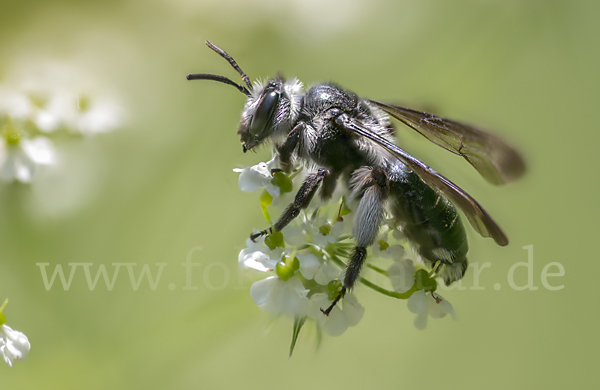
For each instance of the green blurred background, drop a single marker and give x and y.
(163, 185)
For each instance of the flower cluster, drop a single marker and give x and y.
(14, 345)
(304, 260)
(43, 104)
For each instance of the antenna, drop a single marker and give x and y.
(223, 79)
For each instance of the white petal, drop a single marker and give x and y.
(398, 235)
(353, 310)
(277, 297)
(395, 252)
(317, 302)
(261, 170)
(273, 162)
(320, 240)
(102, 117)
(17, 165)
(249, 182)
(420, 321)
(46, 121)
(15, 345)
(335, 324)
(294, 235)
(440, 310)
(417, 302)
(60, 109)
(260, 291)
(294, 298)
(40, 150)
(401, 275)
(273, 190)
(337, 228)
(309, 264)
(320, 221)
(326, 273)
(15, 104)
(254, 178)
(7, 358)
(259, 257)
(256, 260)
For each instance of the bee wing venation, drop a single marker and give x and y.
(482, 222)
(494, 159)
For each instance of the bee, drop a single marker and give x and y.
(346, 139)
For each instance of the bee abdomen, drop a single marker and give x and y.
(430, 222)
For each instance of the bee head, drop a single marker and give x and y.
(270, 111)
(271, 108)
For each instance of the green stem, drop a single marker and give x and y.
(393, 294)
(389, 293)
(377, 269)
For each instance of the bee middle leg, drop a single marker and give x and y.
(301, 201)
(372, 184)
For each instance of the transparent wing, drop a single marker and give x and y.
(494, 159)
(482, 222)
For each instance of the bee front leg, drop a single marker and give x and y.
(373, 183)
(286, 150)
(301, 201)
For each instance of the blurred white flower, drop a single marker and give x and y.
(101, 116)
(277, 296)
(423, 305)
(348, 313)
(19, 161)
(14, 345)
(77, 113)
(258, 177)
(15, 104)
(59, 95)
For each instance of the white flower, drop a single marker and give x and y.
(337, 322)
(258, 256)
(277, 296)
(294, 234)
(19, 161)
(14, 345)
(382, 248)
(423, 305)
(321, 272)
(401, 275)
(257, 177)
(321, 231)
(389, 225)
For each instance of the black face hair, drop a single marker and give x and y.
(223, 79)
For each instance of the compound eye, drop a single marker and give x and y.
(264, 113)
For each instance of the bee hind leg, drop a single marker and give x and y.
(372, 185)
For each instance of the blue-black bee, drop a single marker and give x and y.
(343, 137)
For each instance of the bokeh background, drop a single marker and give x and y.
(161, 188)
